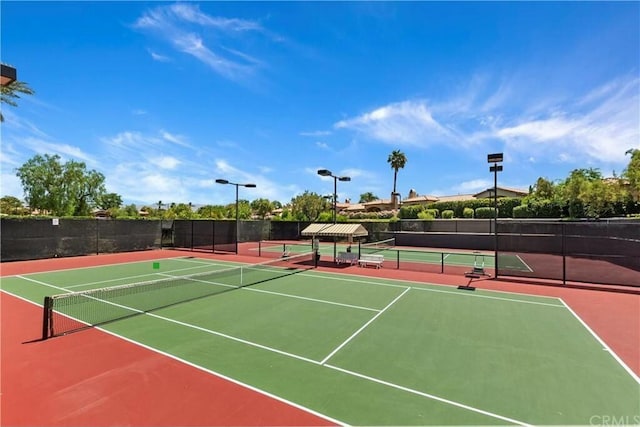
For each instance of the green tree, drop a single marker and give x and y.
(60, 189)
(109, 201)
(368, 197)
(307, 206)
(9, 94)
(10, 205)
(543, 189)
(244, 210)
(179, 211)
(397, 160)
(262, 207)
(211, 211)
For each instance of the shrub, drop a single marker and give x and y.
(485, 212)
(467, 213)
(521, 211)
(426, 214)
(448, 214)
(434, 212)
(410, 212)
(506, 206)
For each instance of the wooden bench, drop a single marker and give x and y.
(370, 259)
(347, 258)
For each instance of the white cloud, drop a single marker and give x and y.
(472, 186)
(322, 145)
(176, 139)
(184, 26)
(64, 150)
(166, 162)
(403, 123)
(316, 133)
(602, 126)
(158, 57)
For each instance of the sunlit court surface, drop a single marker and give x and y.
(235, 341)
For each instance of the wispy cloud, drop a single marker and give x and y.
(601, 125)
(165, 162)
(316, 133)
(597, 125)
(66, 151)
(403, 123)
(215, 41)
(158, 57)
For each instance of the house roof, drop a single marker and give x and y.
(456, 198)
(337, 230)
(420, 199)
(504, 189)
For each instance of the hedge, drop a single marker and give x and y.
(485, 212)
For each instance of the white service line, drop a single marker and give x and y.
(430, 396)
(363, 327)
(604, 344)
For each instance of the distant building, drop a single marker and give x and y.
(414, 199)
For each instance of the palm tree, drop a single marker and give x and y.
(397, 160)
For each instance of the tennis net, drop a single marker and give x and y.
(381, 245)
(74, 311)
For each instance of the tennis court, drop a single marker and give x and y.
(352, 349)
(402, 257)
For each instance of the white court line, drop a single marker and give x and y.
(141, 275)
(208, 371)
(363, 327)
(305, 359)
(92, 266)
(429, 396)
(604, 344)
(442, 291)
(264, 291)
(524, 263)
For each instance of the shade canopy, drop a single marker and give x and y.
(335, 230)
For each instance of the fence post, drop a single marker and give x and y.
(564, 255)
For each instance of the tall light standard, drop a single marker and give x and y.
(494, 159)
(224, 181)
(326, 172)
(8, 75)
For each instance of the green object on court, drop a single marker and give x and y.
(156, 266)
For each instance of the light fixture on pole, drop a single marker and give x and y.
(326, 172)
(494, 159)
(8, 75)
(224, 181)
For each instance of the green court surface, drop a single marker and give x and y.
(367, 351)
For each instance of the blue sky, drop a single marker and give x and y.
(163, 97)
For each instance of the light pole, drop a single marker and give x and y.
(8, 75)
(224, 181)
(326, 172)
(494, 159)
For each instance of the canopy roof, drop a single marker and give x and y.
(337, 230)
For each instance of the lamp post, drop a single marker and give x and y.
(326, 172)
(224, 181)
(494, 159)
(8, 75)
